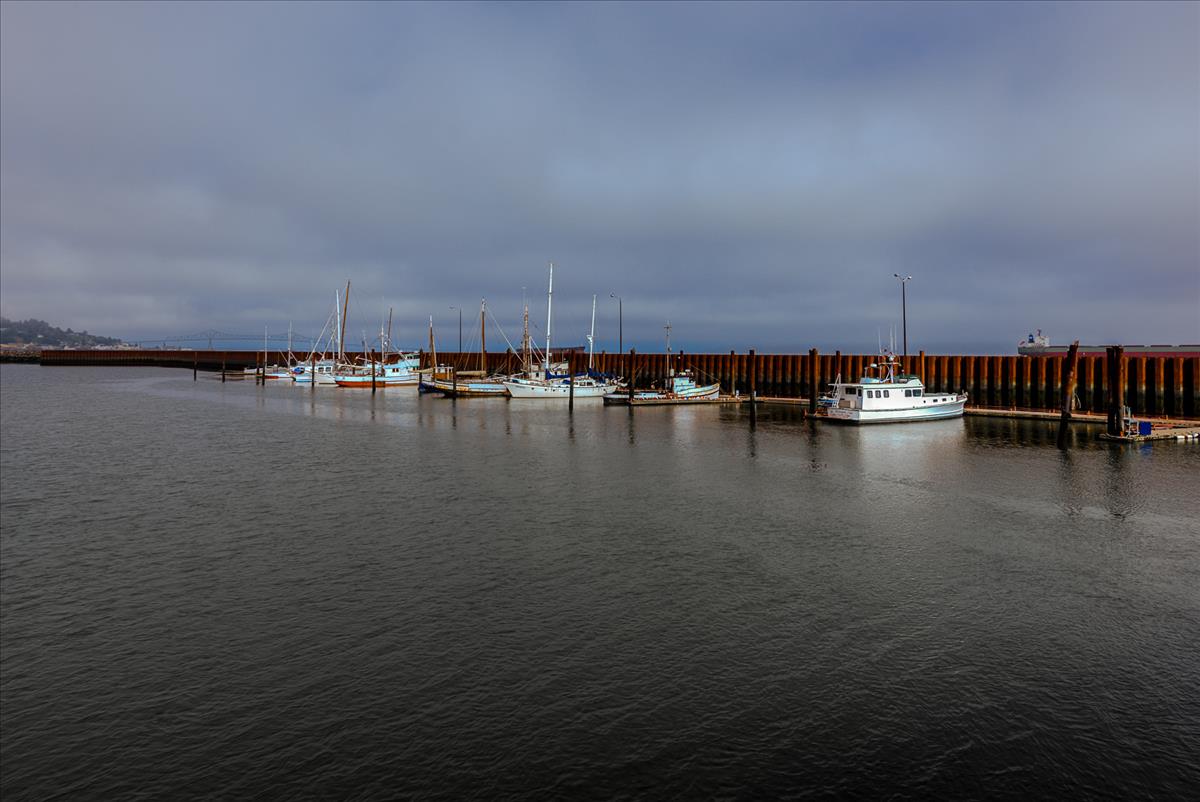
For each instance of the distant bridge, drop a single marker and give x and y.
(211, 336)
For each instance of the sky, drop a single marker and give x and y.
(755, 174)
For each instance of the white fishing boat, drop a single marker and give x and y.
(891, 398)
(392, 374)
(322, 369)
(403, 369)
(547, 384)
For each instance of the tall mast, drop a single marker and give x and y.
(264, 350)
(389, 339)
(592, 336)
(337, 325)
(345, 309)
(549, 306)
(483, 335)
(526, 356)
(432, 350)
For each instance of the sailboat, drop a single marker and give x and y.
(320, 371)
(436, 371)
(479, 385)
(550, 385)
(270, 371)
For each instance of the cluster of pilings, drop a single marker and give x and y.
(1149, 386)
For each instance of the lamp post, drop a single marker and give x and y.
(904, 308)
(620, 323)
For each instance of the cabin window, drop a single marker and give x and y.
(887, 393)
(908, 393)
(917, 393)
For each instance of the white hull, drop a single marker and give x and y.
(409, 380)
(469, 388)
(949, 409)
(535, 389)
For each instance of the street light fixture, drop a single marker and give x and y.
(620, 323)
(904, 308)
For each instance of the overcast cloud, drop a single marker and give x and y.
(754, 173)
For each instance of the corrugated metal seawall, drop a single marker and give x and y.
(1162, 386)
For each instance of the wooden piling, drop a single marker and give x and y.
(1139, 378)
(222, 371)
(1159, 385)
(632, 358)
(1116, 390)
(811, 384)
(1177, 386)
(1010, 381)
(753, 390)
(1068, 393)
(193, 366)
(1089, 385)
(1037, 386)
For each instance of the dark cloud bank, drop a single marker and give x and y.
(754, 173)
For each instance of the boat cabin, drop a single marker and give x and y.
(905, 392)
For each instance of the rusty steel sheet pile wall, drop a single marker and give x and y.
(1158, 386)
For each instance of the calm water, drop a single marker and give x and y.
(231, 590)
